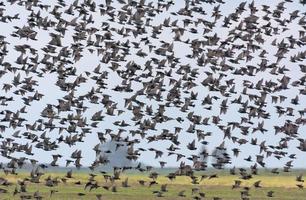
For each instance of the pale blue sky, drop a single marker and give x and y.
(90, 61)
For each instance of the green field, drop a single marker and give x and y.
(283, 185)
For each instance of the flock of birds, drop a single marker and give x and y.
(166, 71)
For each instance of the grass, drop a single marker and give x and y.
(284, 186)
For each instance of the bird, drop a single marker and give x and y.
(270, 193)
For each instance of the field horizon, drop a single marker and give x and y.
(210, 183)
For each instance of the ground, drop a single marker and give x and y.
(283, 185)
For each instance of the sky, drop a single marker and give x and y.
(46, 86)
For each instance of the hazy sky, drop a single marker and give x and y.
(89, 61)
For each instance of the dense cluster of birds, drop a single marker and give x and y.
(149, 74)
